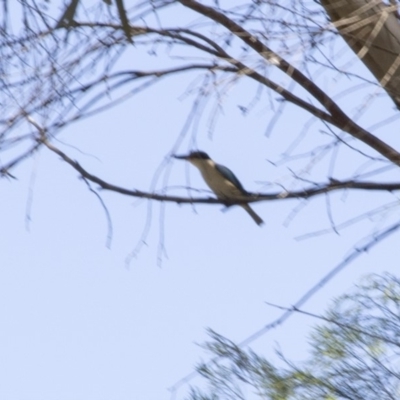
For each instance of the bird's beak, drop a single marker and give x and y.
(180, 157)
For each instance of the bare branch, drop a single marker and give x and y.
(339, 118)
(255, 197)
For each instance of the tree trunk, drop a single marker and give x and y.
(372, 30)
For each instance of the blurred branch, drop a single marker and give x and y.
(67, 19)
(338, 117)
(255, 197)
(60, 81)
(124, 19)
(332, 321)
(65, 85)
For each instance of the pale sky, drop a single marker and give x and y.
(77, 323)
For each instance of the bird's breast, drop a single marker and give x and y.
(221, 186)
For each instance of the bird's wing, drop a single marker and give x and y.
(228, 174)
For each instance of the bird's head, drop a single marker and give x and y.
(194, 156)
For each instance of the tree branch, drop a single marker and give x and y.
(255, 197)
(340, 119)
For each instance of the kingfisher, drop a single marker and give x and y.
(221, 180)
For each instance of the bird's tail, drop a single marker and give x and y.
(257, 219)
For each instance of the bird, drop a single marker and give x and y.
(221, 180)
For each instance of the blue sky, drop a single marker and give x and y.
(77, 323)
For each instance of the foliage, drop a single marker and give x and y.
(354, 355)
